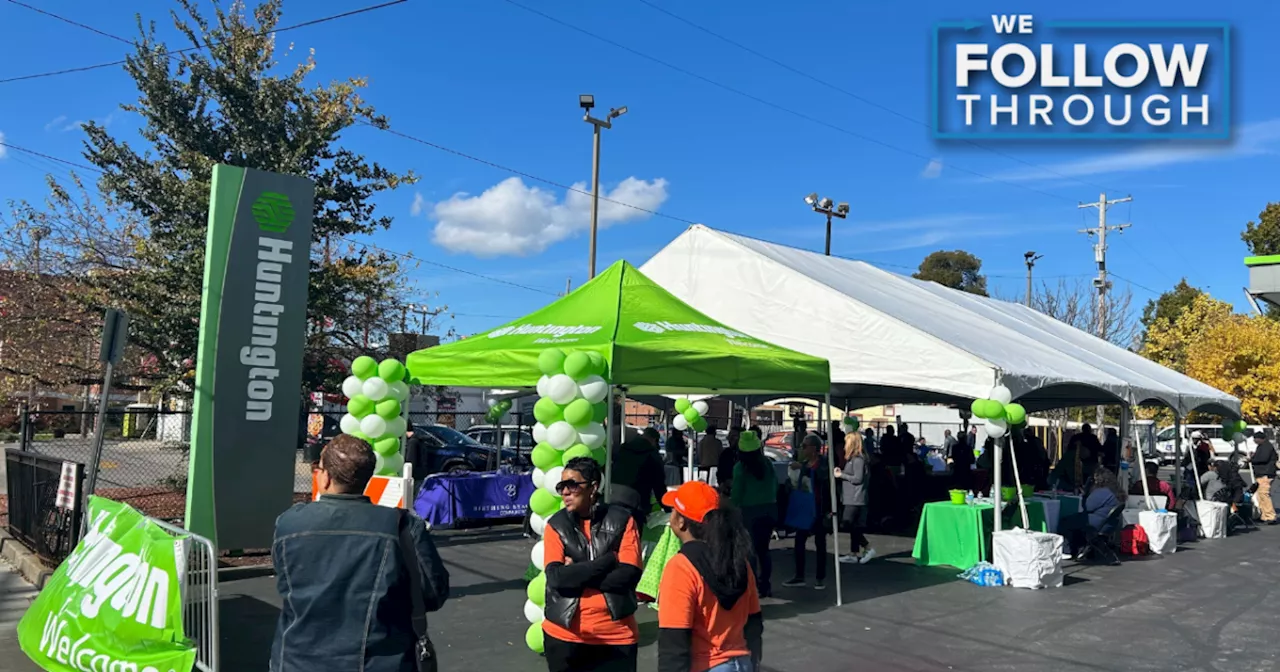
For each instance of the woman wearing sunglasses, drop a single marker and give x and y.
(709, 616)
(592, 566)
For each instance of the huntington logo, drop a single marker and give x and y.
(734, 337)
(273, 212)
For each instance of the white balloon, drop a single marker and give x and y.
(399, 391)
(373, 426)
(542, 386)
(1001, 394)
(1237, 438)
(552, 479)
(388, 465)
(996, 428)
(492, 402)
(396, 427)
(562, 389)
(350, 424)
(561, 435)
(376, 389)
(352, 387)
(539, 433)
(594, 389)
(538, 556)
(680, 423)
(539, 477)
(592, 435)
(537, 523)
(701, 407)
(532, 612)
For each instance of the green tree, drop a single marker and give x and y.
(229, 101)
(956, 269)
(1169, 305)
(1263, 236)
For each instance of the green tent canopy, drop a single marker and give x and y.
(654, 343)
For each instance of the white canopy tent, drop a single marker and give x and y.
(894, 339)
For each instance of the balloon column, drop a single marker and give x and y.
(1234, 430)
(690, 415)
(571, 409)
(375, 393)
(998, 412)
(497, 409)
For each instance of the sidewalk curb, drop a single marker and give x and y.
(27, 563)
(242, 573)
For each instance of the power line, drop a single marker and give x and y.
(860, 98)
(171, 54)
(1142, 287)
(773, 105)
(32, 152)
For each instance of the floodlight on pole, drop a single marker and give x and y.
(587, 102)
(825, 206)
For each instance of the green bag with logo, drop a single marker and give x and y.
(115, 603)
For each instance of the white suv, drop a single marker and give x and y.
(1167, 448)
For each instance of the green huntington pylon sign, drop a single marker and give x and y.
(244, 433)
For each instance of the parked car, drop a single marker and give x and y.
(1166, 447)
(780, 440)
(450, 451)
(505, 436)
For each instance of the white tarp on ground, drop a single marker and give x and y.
(891, 338)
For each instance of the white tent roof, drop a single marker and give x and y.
(894, 339)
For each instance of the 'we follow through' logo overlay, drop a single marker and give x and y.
(1014, 77)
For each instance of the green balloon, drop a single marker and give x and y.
(548, 411)
(360, 406)
(1241, 425)
(364, 367)
(537, 590)
(579, 412)
(1015, 414)
(978, 408)
(579, 450)
(391, 370)
(545, 457)
(388, 408)
(387, 446)
(691, 414)
(598, 363)
(543, 503)
(683, 406)
(533, 637)
(995, 409)
(577, 365)
(551, 361)
(699, 425)
(599, 411)
(598, 455)
(363, 437)
(505, 405)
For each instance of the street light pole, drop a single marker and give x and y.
(586, 102)
(1031, 258)
(826, 207)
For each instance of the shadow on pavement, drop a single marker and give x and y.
(247, 628)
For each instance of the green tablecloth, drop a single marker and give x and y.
(949, 533)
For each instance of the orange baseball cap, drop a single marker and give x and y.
(693, 500)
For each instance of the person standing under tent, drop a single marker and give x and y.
(1264, 472)
(837, 439)
(592, 555)
(810, 474)
(709, 449)
(961, 455)
(889, 452)
(1038, 460)
(340, 611)
(709, 617)
(754, 491)
(1109, 456)
(728, 460)
(869, 444)
(639, 477)
(853, 485)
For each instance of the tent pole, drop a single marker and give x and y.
(835, 528)
(1142, 472)
(1017, 482)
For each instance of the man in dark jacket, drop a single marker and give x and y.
(342, 576)
(638, 475)
(1264, 470)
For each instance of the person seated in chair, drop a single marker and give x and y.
(1211, 483)
(1105, 496)
(1154, 485)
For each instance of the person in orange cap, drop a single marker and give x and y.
(709, 616)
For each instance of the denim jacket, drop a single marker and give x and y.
(345, 589)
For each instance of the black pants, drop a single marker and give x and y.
(761, 529)
(819, 535)
(571, 657)
(855, 517)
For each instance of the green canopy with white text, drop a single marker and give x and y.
(654, 343)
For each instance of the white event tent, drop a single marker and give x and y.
(894, 339)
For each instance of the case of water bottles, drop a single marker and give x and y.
(983, 574)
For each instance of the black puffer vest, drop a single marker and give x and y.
(608, 523)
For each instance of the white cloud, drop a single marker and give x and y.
(419, 204)
(511, 218)
(1251, 140)
(4, 151)
(933, 170)
(56, 123)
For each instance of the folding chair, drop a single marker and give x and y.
(1101, 544)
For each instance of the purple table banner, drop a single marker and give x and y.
(445, 499)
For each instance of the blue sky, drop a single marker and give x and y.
(495, 81)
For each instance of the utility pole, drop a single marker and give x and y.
(1031, 258)
(586, 102)
(568, 286)
(1100, 256)
(37, 234)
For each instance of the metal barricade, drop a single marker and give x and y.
(199, 596)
